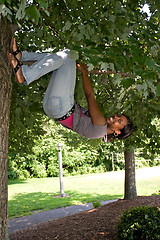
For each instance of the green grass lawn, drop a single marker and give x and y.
(26, 196)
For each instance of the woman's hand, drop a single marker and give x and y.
(82, 68)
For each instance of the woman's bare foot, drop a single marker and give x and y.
(15, 50)
(17, 67)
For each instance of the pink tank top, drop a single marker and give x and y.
(67, 122)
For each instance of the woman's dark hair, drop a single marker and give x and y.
(125, 132)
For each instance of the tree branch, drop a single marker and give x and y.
(98, 72)
(57, 35)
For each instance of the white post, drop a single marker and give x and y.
(112, 161)
(62, 194)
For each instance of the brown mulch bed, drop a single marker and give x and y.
(94, 224)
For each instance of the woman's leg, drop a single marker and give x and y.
(59, 96)
(46, 63)
(35, 56)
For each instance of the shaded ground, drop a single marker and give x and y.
(94, 224)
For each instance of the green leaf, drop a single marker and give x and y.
(90, 66)
(112, 18)
(111, 66)
(142, 87)
(67, 26)
(43, 4)
(47, 13)
(124, 36)
(127, 82)
(4, 1)
(34, 13)
(104, 66)
(21, 11)
(4, 10)
(117, 79)
(158, 90)
(152, 64)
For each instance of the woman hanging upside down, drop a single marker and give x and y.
(58, 102)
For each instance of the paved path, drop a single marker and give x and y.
(39, 217)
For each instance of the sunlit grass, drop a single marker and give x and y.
(26, 196)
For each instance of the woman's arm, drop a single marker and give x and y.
(96, 115)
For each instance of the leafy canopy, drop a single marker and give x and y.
(117, 37)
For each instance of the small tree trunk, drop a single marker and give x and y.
(130, 183)
(5, 94)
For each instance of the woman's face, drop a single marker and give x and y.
(116, 123)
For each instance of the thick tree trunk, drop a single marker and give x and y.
(130, 183)
(5, 94)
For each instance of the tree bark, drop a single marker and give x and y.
(130, 183)
(5, 95)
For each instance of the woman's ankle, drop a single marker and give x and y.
(19, 75)
(17, 67)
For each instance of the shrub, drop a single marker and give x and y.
(17, 167)
(39, 170)
(96, 204)
(53, 170)
(139, 223)
(157, 192)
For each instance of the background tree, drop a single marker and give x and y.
(5, 91)
(130, 182)
(113, 36)
(9, 13)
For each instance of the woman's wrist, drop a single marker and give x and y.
(85, 72)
